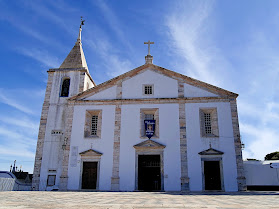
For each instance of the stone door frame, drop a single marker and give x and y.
(90, 156)
(98, 173)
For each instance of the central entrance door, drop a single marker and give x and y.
(89, 175)
(149, 172)
(212, 175)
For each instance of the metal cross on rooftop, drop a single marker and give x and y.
(149, 46)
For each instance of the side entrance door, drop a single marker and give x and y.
(212, 175)
(89, 175)
(149, 172)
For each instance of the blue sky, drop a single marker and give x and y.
(231, 44)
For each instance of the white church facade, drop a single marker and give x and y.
(93, 137)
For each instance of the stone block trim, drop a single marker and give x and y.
(183, 139)
(180, 89)
(116, 150)
(66, 152)
(241, 180)
(41, 135)
(183, 148)
(119, 90)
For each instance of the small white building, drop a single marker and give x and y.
(262, 175)
(93, 137)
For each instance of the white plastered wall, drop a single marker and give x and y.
(88, 81)
(103, 145)
(224, 143)
(164, 87)
(169, 136)
(192, 91)
(109, 93)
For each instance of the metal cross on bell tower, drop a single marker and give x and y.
(148, 57)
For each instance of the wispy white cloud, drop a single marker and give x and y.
(29, 28)
(62, 5)
(40, 55)
(265, 140)
(24, 100)
(255, 78)
(24, 122)
(19, 126)
(113, 22)
(16, 152)
(114, 65)
(188, 26)
(13, 103)
(42, 10)
(259, 101)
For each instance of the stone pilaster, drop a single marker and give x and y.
(183, 140)
(41, 135)
(241, 180)
(65, 162)
(119, 90)
(116, 150)
(180, 89)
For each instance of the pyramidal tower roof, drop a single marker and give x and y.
(75, 58)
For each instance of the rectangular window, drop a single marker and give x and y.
(94, 125)
(51, 180)
(148, 90)
(209, 122)
(149, 114)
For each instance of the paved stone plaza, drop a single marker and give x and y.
(137, 200)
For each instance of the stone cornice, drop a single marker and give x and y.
(150, 101)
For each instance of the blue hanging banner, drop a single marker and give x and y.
(149, 128)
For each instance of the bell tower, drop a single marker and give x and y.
(71, 78)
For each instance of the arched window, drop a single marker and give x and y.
(65, 88)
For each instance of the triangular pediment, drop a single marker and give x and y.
(171, 74)
(211, 151)
(149, 144)
(90, 152)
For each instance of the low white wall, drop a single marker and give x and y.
(259, 173)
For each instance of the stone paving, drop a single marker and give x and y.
(137, 200)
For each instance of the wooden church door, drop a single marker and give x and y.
(212, 175)
(89, 175)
